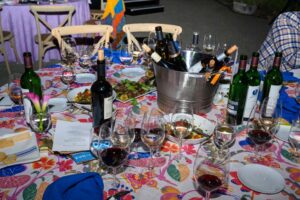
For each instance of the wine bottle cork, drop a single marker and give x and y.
(232, 49)
(146, 48)
(100, 54)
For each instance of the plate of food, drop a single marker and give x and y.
(202, 130)
(81, 97)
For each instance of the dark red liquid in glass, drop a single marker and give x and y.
(114, 156)
(259, 136)
(209, 182)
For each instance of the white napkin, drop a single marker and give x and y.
(6, 102)
(16, 148)
(72, 136)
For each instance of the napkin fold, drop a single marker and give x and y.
(76, 187)
(290, 107)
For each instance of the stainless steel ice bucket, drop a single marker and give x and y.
(184, 89)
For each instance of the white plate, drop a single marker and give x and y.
(133, 74)
(283, 133)
(57, 104)
(261, 178)
(200, 122)
(73, 93)
(85, 78)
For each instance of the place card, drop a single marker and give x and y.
(72, 136)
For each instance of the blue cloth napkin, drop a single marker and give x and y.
(290, 107)
(76, 187)
(287, 76)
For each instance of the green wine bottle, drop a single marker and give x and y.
(161, 45)
(253, 86)
(30, 81)
(273, 79)
(237, 94)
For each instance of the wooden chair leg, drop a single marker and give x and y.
(40, 59)
(13, 46)
(6, 62)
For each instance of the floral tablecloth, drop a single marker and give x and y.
(173, 180)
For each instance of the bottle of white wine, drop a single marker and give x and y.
(213, 63)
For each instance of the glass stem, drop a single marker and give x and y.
(180, 152)
(114, 177)
(136, 156)
(207, 195)
(151, 159)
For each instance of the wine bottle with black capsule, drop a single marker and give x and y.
(102, 94)
(161, 45)
(253, 87)
(237, 94)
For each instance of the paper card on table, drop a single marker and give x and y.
(16, 148)
(72, 136)
(6, 102)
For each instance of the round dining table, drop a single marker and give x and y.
(172, 180)
(18, 19)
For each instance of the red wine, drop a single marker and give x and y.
(209, 182)
(137, 132)
(259, 137)
(114, 156)
(101, 92)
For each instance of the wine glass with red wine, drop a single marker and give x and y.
(14, 88)
(154, 135)
(135, 127)
(210, 170)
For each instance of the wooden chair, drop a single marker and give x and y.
(103, 30)
(45, 40)
(148, 27)
(7, 36)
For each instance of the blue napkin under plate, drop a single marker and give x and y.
(76, 187)
(287, 76)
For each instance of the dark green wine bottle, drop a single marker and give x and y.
(174, 54)
(161, 45)
(30, 81)
(237, 94)
(273, 79)
(253, 86)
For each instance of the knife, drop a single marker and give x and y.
(119, 194)
(1, 98)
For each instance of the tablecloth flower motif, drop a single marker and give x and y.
(189, 149)
(7, 124)
(65, 165)
(138, 180)
(112, 192)
(294, 173)
(45, 163)
(170, 147)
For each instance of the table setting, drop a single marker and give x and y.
(144, 152)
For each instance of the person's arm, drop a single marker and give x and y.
(286, 36)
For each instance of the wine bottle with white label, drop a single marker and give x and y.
(101, 92)
(273, 79)
(253, 86)
(237, 94)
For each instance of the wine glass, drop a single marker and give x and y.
(100, 141)
(182, 121)
(68, 76)
(115, 155)
(14, 88)
(210, 170)
(40, 122)
(108, 53)
(150, 42)
(68, 51)
(294, 138)
(224, 134)
(154, 135)
(270, 111)
(126, 56)
(85, 56)
(135, 127)
(209, 43)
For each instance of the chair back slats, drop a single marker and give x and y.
(104, 30)
(148, 27)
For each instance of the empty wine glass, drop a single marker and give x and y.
(209, 43)
(294, 139)
(116, 155)
(68, 51)
(126, 56)
(85, 56)
(182, 121)
(108, 53)
(40, 122)
(135, 127)
(270, 111)
(14, 88)
(210, 170)
(154, 134)
(68, 76)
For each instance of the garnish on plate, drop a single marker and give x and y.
(84, 97)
